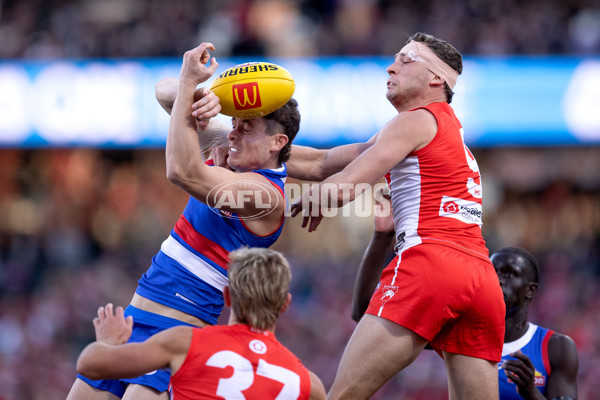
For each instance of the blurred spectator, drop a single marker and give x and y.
(137, 28)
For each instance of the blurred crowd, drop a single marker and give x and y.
(78, 227)
(154, 28)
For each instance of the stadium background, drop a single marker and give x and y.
(78, 225)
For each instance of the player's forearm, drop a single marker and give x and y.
(311, 164)
(101, 361)
(104, 361)
(369, 271)
(183, 156)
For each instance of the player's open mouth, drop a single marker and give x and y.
(233, 150)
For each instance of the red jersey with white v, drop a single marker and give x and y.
(436, 191)
(237, 362)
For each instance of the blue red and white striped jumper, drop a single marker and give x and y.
(190, 270)
(534, 344)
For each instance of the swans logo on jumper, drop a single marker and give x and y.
(246, 96)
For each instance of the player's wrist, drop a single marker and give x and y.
(187, 85)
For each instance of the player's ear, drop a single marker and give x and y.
(286, 303)
(436, 81)
(227, 296)
(279, 140)
(531, 290)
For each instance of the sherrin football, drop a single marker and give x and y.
(253, 90)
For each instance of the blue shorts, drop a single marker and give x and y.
(145, 324)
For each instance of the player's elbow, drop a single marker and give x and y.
(175, 175)
(165, 92)
(184, 176)
(177, 172)
(87, 367)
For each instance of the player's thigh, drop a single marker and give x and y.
(377, 350)
(141, 392)
(82, 391)
(471, 378)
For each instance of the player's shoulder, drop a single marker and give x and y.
(562, 350)
(415, 127)
(561, 341)
(418, 119)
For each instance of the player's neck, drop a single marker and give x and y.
(515, 325)
(413, 103)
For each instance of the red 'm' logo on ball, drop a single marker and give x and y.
(246, 95)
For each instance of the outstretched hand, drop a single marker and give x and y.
(196, 68)
(310, 208)
(112, 328)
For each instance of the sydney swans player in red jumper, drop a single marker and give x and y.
(441, 288)
(240, 360)
(184, 283)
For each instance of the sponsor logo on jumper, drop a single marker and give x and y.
(257, 346)
(539, 379)
(463, 210)
(248, 68)
(246, 96)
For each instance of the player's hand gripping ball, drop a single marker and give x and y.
(253, 90)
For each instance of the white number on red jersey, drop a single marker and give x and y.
(243, 376)
(474, 181)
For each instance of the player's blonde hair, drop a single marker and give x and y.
(259, 280)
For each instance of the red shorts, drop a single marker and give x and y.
(450, 298)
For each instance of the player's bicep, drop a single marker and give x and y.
(564, 362)
(401, 136)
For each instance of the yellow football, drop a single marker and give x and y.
(253, 90)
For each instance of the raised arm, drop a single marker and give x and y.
(311, 164)
(213, 132)
(407, 132)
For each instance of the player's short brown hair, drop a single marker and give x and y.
(259, 280)
(286, 120)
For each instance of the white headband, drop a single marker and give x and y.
(420, 52)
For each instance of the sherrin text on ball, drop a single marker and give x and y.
(253, 90)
